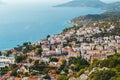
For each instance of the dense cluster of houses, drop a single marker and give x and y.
(85, 45)
(5, 61)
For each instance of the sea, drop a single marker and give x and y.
(21, 23)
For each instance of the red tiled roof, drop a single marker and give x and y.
(74, 52)
(17, 79)
(52, 71)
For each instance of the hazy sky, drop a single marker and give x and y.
(46, 1)
(109, 0)
(42, 1)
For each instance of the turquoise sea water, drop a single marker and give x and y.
(32, 22)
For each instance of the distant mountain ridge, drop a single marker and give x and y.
(113, 6)
(83, 3)
(92, 3)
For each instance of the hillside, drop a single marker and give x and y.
(107, 69)
(93, 17)
(78, 53)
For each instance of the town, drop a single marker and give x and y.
(50, 58)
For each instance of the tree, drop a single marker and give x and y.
(0, 53)
(38, 51)
(112, 61)
(53, 60)
(115, 78)
(8, 53)
(66, 70)
(58, 71)
(48, 36)
(102, 75)
(63, 77)
(40, 67)
(14, 72)
(12, 66)
(27, 74)
(78, 62)
(34, 73)
(36, 62)
(26, 43)
(118, 68)
(19, 59)
(47, 77)
(30, 60)
(63, 65)
(3, 70)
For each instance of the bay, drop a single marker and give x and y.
(32, 22)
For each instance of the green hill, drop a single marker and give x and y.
(94, 17)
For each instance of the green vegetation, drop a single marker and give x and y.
(78, 63)
(26, 47)
(62, 67)
(38, 51)
(63, 77)
(74, 27)
(13, 68)
(95, 17)
(53, 60)
(7, 53)
(113, 61)
(113, 65)
(3, 70)
(40, 67)
(107, 23)
(47, 77)
(48, 36)
(20, 58)
(102, 75)
(0, 53)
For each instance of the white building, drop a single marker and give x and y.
(6, 60)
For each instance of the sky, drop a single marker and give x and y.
(46, 1)
(34, 1)
(109, 1)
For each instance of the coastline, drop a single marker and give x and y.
(54, 27)
(70, 44)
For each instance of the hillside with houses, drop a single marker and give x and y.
(78, 53)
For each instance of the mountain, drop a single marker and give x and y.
(84, 3)
(92, 3)
(113, 6)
